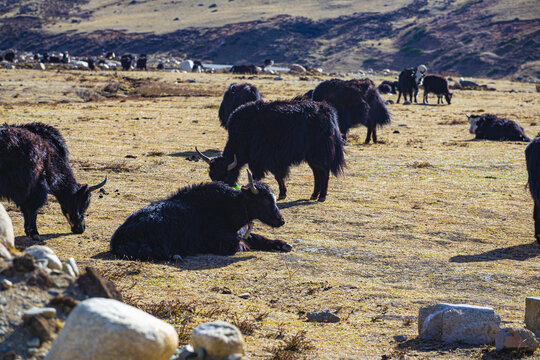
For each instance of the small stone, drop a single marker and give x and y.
(46, 312)
(515, 338)
(6, 284)
(396, 131)
(400, 338)
(42, 328)
(244, 296)
(278, 78)
(325, 316)
(68, 270)
(34, 342)
(3, 301)
(44, 252)
(32, 351)
(218, 338)
(74, 267)
(94, 285)
(532, 313)
(24, 263)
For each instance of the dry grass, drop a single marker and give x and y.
(391, 236)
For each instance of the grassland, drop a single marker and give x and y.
(425, 216)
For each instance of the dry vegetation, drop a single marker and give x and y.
(427, 216)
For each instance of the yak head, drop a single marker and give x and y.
(473, 121)
(448, 97)
(261, 202)
(222, 169)
(74, 207)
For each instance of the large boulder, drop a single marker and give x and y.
(296, 68)
(7, 238)
(532, 313)
(107, 329)
(458, 323)
(218, 338)
(40, 252)
(187, 65)
(516, 338)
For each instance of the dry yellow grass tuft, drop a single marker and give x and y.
(427, 216)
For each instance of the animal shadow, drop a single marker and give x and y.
(22, 242)
(299, 202)
(518, 253)
(432, 345)
(193, 154)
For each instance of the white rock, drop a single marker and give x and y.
(68, 270)
(43, 252)
(4, 252)
(532, 313)
(33, 343)
(107, 329)
(218, 338)
(187, 65)
(74, 267)
(515, 338)
(458, 323)
(46, 312)
(7, 238)
(6, 284)
(42, 66)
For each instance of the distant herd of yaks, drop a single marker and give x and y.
(269, 137)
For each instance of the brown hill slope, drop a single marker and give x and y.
(475, 37)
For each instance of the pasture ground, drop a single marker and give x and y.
(425, 216)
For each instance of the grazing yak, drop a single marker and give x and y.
(408, 82)
(490, 127)
(357, 102)
(141, 62)
(387, 87)
(200, 219)
(236, 95)
(532, 156)
(126, 61)
(34, 162)
(244, 69)
(270, 137)
(437, 85)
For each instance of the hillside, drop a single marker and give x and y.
(492, 38)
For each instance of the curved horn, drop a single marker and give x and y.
(233, 164)
(202, 156)
(100, 185)
(251, 184)
(468, 116)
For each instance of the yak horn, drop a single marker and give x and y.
(468, 116)
(100, 185)
(233, 164)
(251, 184)
(202, 156)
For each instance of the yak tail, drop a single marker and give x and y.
(378, 112)
(532, 156)
(336, 144)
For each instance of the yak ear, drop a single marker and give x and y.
(83, 189)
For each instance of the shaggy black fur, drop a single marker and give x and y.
(126, 61)
(271, 137)
(437, 85)
(407, 85)
(532, 156)
(490, 127)
(34, 162)
(141, 62)
(244, 69)
(236, 95)
(357, 102)
(199, 219)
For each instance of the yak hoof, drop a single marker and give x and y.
(282, 197)
(35, 237)
(314, 197)
(286, 247)
(321, 199)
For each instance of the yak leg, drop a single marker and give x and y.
(317, 183)
(399, 96)
(324, 177)
(374, 134)
(30, 227)
(282, 187)
(368, 137)
(36, 199)
(536, 216)
(425, 100)
(259, 242)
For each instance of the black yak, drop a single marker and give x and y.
(244, 69)
(357, 102)
(126, 61)
(532, 156)
(200, 219)
(270, 137)
(9, 56)
(437, 85)
(387, 87)
(141, 62)
(308, 95)
(490, 127)
(236, 95)
(34, 162)
(408, 82)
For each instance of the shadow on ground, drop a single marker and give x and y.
(518, 252)
(190, 154)
(22, 242)
(299, 202)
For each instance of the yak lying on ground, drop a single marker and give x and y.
(437, 85)
(270, 137)
(388, 87)
(357, 102)
(408, 82)
(34, 162)
(200, 219)
(244, 69)
(307, 96)
(236, 95)
(532, 155)
(490, 127)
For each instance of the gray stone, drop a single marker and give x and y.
(68, 270)
(532, 313)
(33, 343)
(7, 238)
(218, 338)
(4, 252)
(325, 316)
(46, 312)
(277, 78)
(107, 329)
(515, 338)
(400, 338)
(74, 267)
(244, 296)
(43, 252)
(6, 284)
(458, 323)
